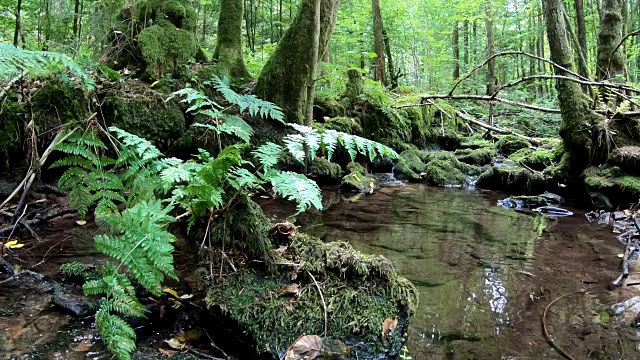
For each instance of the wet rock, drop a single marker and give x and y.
(382, 165)
(75, 302)
(552, 199)
(6, 270)
(600, 201)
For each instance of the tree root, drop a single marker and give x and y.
(546, 331)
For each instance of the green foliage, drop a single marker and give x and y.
(14, 61)
(71, 270)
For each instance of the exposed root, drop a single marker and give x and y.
(546, 331)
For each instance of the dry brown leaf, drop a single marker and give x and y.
(388, 326)
(308, 346)
(293, 289)
(83, 346)
(167, 353)
(290, 356)
(191, 335)
(175, 344)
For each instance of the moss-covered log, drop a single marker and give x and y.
(228, 51)
(284, 78)
(578, 121)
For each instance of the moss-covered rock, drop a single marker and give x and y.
(265, 309)
(619, 186)
(627, 158)
(438, 168)
(148, 116)
(511, 178)
(324, 172)
(344, 124)
(170, 42)
(410, 165)
(537, 159)
(480, 156)
(326, 106)
(443, 173)
(384, 124)
(358, 179)
(475, 141)
(508, 144)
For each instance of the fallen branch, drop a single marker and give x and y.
(546, 332)
(37, 220)
(634, 33)
(481, 98)
(496, 129)
(7, 86)
(323, 303)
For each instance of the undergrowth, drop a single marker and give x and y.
(152, 189)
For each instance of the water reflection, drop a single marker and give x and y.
(467, 257)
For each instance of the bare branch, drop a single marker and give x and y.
(482, 98)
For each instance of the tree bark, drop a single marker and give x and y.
(456, 51)
(393, 75)
(228, 51)
(465, 35)
(581, 28)
(492, 83)
(284, 77)
(578, 120)
(313, 63)
(76, 14)
(610, 66)
(18, 29)
(379, 73)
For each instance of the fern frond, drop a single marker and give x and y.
(255, 105)
(268, 155)
(298, 188)
(119, 336)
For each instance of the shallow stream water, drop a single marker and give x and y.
(485, 276)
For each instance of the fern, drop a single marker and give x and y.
(14, 61)
(298, 188)
(255, 105)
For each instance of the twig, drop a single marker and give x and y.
(546, 332)
(36, 221)
(323, 303)
(51, 248)
(634, 33)
(485, 98)
(7, 86)
(199, 353)
(496, 129)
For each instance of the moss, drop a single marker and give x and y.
(410, 166)
(475, 141)
(443, 173)
(627, 158)
(479, 157)
(358, 179)
(228, 52)
(513, 179)
(536, 160)
(147, 116)
(355, 312)
(12, 115)
(325, 106)
(421, 131)
(109, 73)
(384, 124)
(325, 171)
(344, 124)
(355, 85)
(612, 181)
(509, 144)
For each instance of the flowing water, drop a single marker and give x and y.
(485, 274)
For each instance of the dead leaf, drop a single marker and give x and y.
(281, 250)
(308, 347)
(290, 355)
(388, 326)
(167, 353)
(293, 289)
(81, 222)
(83, 346)
(175, 344)
(171, 292)
(191, 335)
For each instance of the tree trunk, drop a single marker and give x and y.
(313, 63)
(610, 66)
(228, 52)
(393, 75)
(284, 77)
(581, 27)
(491, 77)
(76, 14)
(456, 51)
(18, 29)
(379, 73)
(465, 35)
(578, 120)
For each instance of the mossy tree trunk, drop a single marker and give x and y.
(578, 120)
(313, 64)
(284, 78)
(455, 39)
(379, 73)
(492, 82)
(228, 51)
(610, 66)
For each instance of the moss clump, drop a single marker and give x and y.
(265, 310)
(326, 106)
(536, 160)
(77, 272)
(147, 116)
(475, 141)
(420, 118)
(443, 173)
(479, 157)
(386, 125)
(611, 180)
(344, 124)
(325, 171)
(509, 144)
(358, 179)
(410, 165)
(512, 178)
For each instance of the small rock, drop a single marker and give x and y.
(619, 215)
(78, 304)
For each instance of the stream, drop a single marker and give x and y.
(485, 276)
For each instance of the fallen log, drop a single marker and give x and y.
(503, 131)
